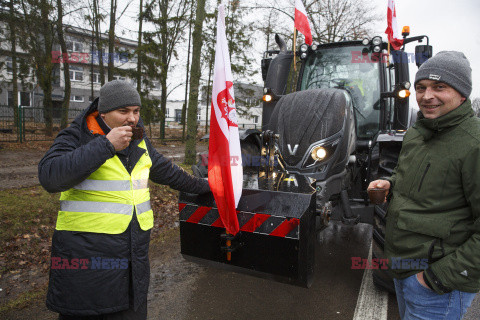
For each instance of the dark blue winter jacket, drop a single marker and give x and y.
(117, 274)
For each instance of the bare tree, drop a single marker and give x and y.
(191, 142)
(111, 38)
(66, 68)
(13, 53)
(97, 18)
(170, 22)
(330, 20)
(38, 35)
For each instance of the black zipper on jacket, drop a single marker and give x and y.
(423, 177)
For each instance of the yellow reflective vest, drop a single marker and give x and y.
(106, 200)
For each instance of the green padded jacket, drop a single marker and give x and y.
(433, 219)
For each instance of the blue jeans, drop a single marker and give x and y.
(418, 302)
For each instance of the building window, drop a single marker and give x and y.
(76, 73)
(23, 98)
(95, 77)
(74, 46)
(156, 85)
(75, 98)
(9, 65)
(119, 78)
(178, 115)
(255, 119)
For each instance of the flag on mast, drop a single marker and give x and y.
(225, 172)
(393, 35)
(301, 21)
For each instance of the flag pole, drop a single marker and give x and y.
(294, 48)
(388, 56)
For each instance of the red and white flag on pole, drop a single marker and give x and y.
(392, 30)
(301, 21)
(225, 172)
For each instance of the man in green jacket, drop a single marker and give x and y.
(433, 220)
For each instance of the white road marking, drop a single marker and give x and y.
(372, 303)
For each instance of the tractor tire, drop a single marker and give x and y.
(381, 278)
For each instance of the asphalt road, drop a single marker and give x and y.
(197, 292)
(218, 294)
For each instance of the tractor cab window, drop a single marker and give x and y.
(346, 68)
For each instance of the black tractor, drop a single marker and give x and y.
(333, 120)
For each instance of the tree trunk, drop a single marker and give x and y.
(190, 146)
(184, 107)
(139, 50)
(13, 41)
(111, 39)
(207, 102)
(46, 66)
(163, 15)
(99, 42)
(66, 68)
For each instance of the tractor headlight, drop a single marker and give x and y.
(319, 153)
(304, 47)
(402, 94)
(267, 98)
(365, 41)
(376, 49)
(314, 46)
(303, 55)
(376, 41)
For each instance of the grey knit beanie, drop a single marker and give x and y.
(117, 94)
(451, 67)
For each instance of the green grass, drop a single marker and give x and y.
(24, 300)
(26, 210)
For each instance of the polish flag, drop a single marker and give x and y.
(392, 31)
(225, 172)
(301, 21)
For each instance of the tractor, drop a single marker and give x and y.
(334, 117)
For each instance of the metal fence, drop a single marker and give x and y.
(30, 125)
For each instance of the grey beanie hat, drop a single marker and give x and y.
(117, 94)
(451, 67)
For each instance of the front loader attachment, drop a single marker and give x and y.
(277, 229)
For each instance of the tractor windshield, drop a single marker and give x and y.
(346, 68)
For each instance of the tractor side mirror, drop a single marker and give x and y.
(265, 66)
(422, 54)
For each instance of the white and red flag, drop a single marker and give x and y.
(301, 21)
(392, 30)
(225, 172)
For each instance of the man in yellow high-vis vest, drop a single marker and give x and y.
(100, 267)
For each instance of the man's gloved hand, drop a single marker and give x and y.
(120, 137)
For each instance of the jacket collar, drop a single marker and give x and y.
(429, 127)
